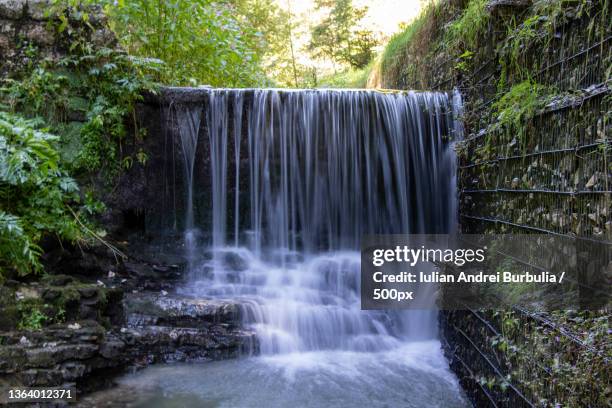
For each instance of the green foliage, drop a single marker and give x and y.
(32, 318)
(102, 87)
(273, 42)
(464, 61)
(16, 248)
(350, 78)
(463, 33)
(34, 195)
(397, 59)
(200, 42)
(514, 110)
(572, 346)
(338, 37)
(520, 103)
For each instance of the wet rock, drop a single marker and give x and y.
(50, 356)
(88, 291)
(180, 311)
(112, 349)
(175, 328)
(152, 277)
(58, 354)
(233, 261)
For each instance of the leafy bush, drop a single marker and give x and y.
(101, 86)
(35, 194)
(200, 42)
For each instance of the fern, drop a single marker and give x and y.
(34, 195)
(17, 251)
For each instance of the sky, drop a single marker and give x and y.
(384, 16)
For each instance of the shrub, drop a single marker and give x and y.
(35, 195)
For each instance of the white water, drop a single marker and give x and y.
(415, 375)
(297, 177)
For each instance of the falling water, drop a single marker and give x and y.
(290, 181)
(188, 119)
(323, 168)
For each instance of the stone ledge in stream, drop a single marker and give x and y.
(160, 328)
(175, 328)
(155, 308)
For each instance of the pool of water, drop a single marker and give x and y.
(413, 375)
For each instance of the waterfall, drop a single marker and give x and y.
(188, 119)
(296, 178)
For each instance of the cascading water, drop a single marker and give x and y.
(296, 178)
(324, 167)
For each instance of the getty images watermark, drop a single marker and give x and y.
(473, 271)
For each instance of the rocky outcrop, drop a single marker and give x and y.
(63, 355)
(174, 328)
(159, 328)
(94, 316)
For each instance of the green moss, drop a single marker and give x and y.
(68, 296)
(519, 103)
(463, 33)
(515, 108)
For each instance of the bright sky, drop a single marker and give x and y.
(384, 16)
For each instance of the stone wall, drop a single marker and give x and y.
(31, 29)
(548, 172)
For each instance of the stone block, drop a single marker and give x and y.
(12, 9)
(37, 9)
(7, 27)
(39, 34)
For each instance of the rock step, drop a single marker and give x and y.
(157, 309)
(170, 344)
(171, 327)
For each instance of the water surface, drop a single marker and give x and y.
(413, 375)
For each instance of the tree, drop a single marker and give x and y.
(338, 36)
(200, 41)
(273, 28)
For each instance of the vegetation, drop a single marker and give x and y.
(32, 317)
(518, 105)
(200, 42)
(102, 87)
(403, 53)
(350, 78)
(36, 195)
(338, 36)
(463, 33)
(39, 156)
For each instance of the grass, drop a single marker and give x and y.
(398, 44)
(463, 33)
(350, 78)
